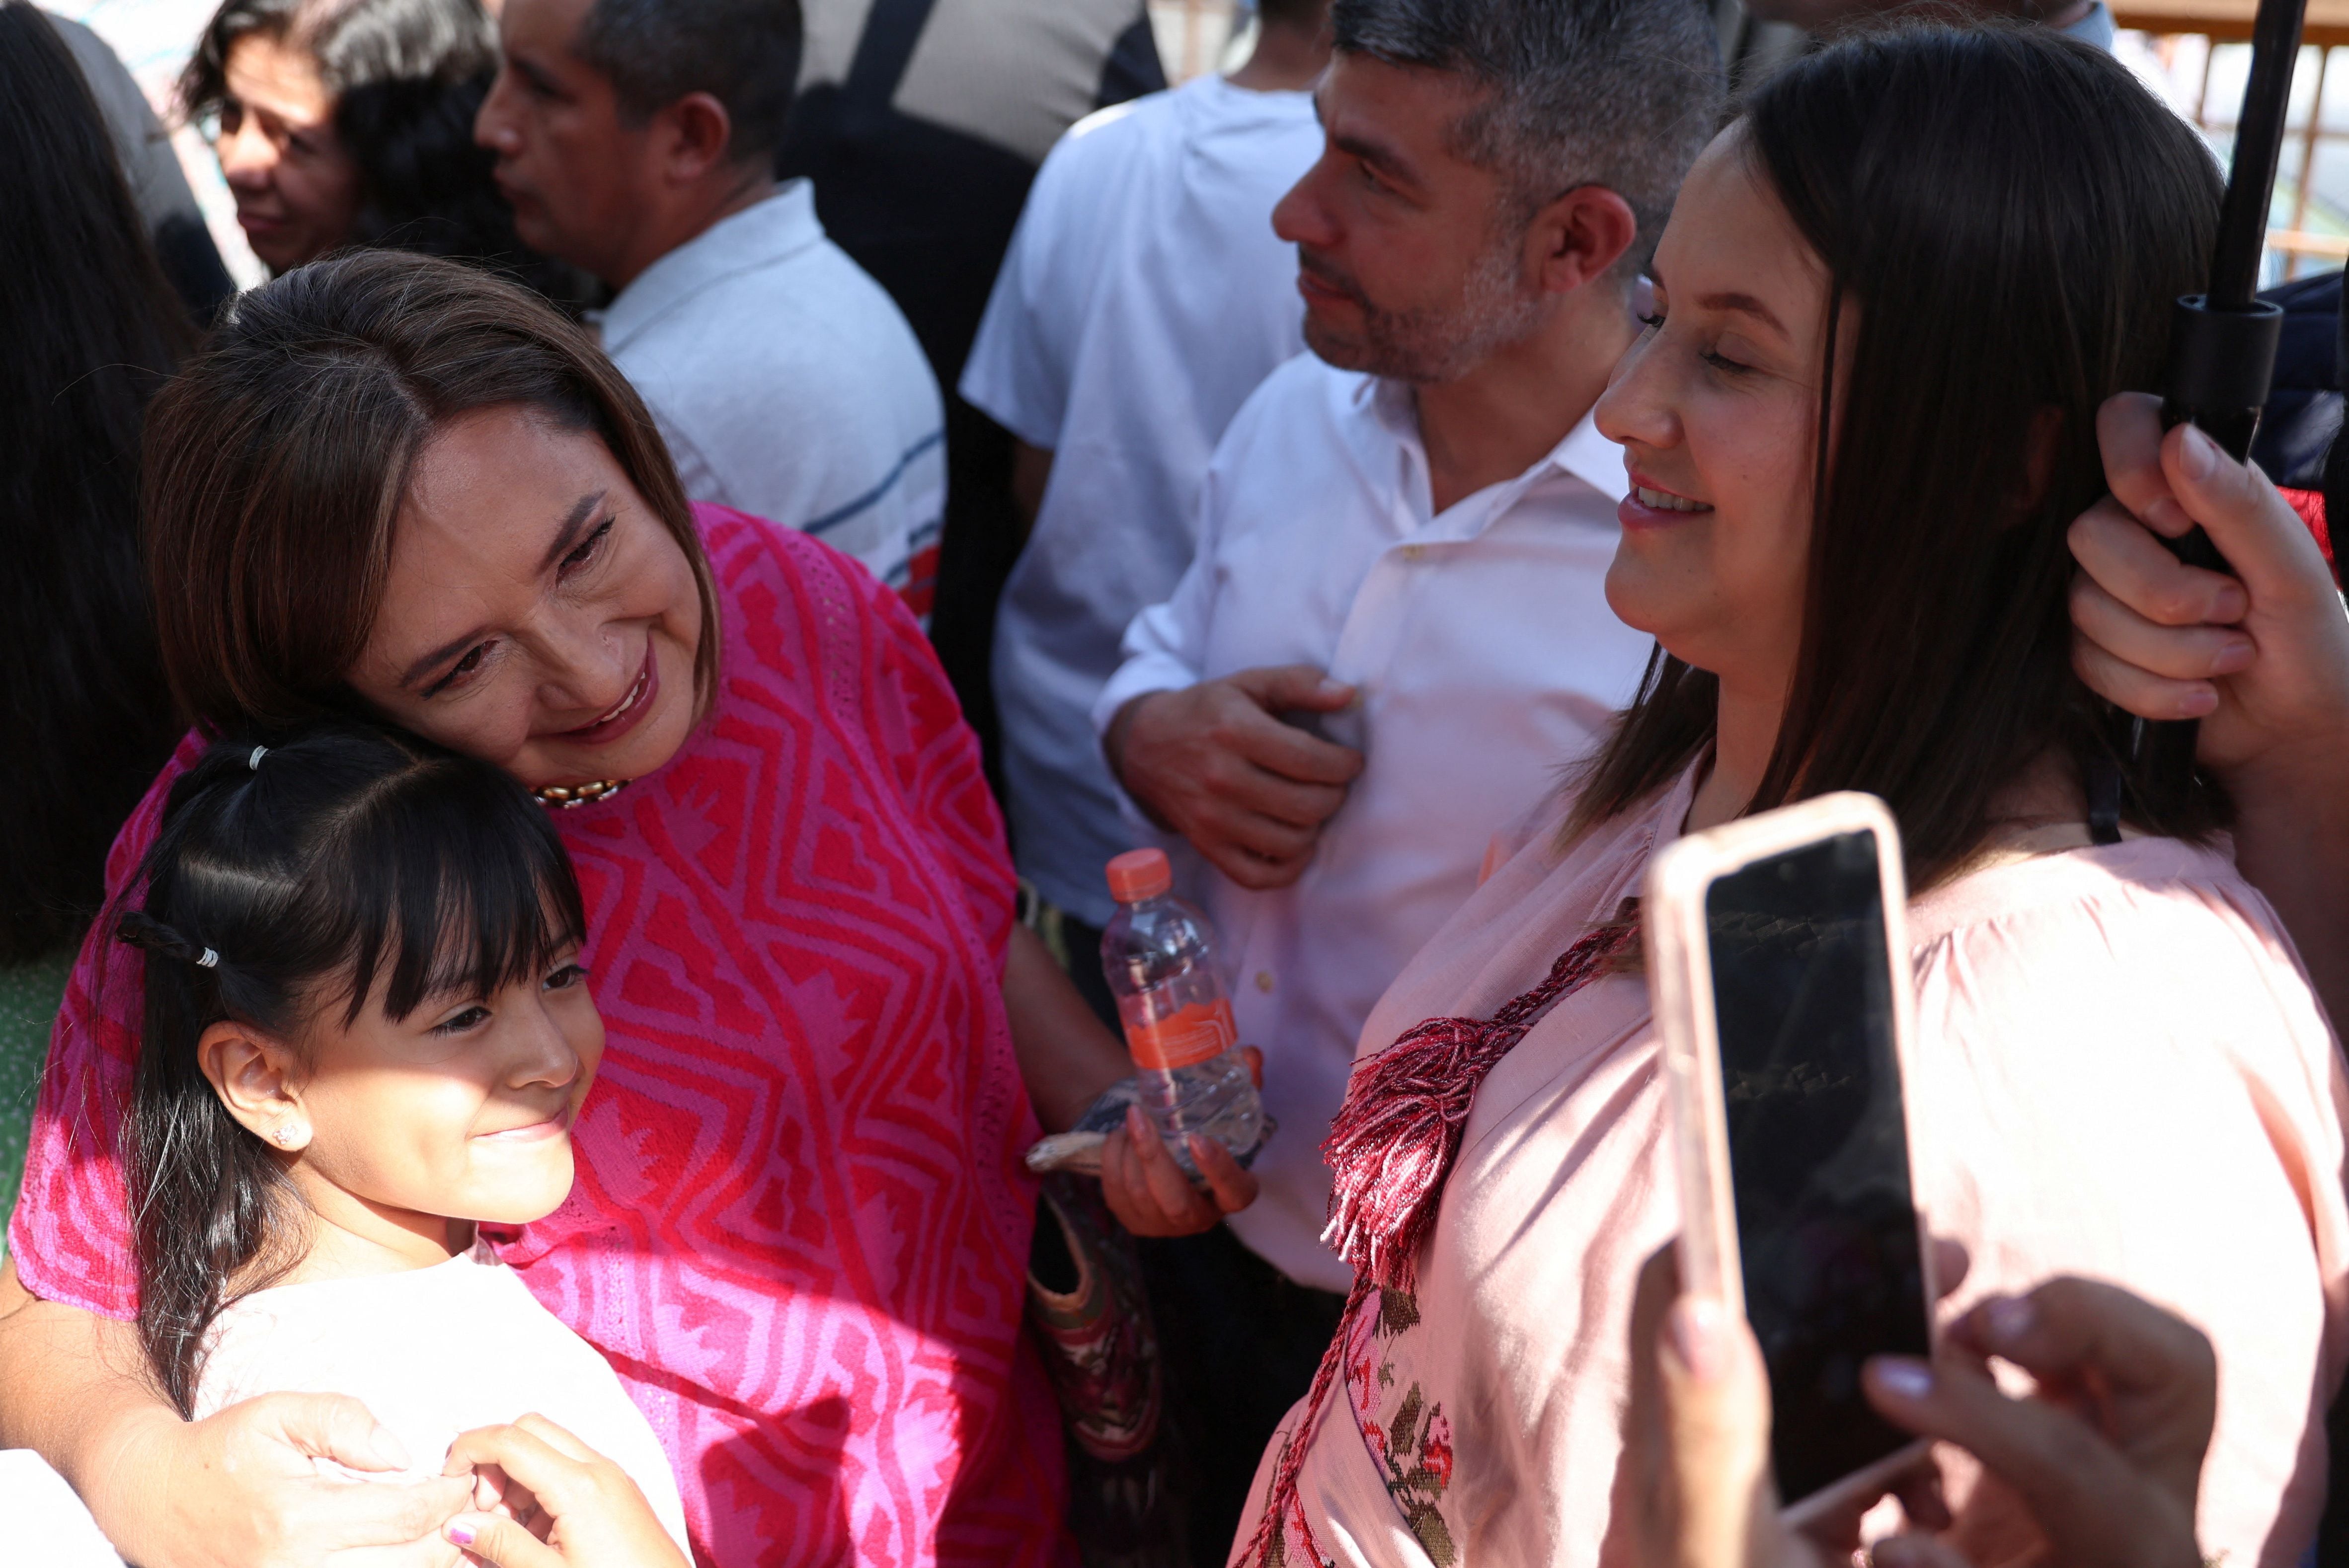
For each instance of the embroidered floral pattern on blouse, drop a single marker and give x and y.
(1408, 1436)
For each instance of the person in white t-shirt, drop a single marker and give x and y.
(636, 139)
(367, 1037)
(1143, 298)
(1395, 631)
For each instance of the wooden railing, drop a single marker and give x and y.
(2230, 22)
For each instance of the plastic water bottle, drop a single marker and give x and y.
(1157, 956)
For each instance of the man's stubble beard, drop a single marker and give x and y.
(1434, 344)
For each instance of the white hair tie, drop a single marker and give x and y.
(254, 762)
(211, 960)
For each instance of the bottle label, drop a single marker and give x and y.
(1199, 1033)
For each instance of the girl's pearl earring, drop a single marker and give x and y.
(286, 1135)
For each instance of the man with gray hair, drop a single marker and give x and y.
(1395, 628)
(636, 138)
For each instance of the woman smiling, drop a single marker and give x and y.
(799, 1223)
(1889, 301)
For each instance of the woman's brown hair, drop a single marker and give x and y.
(2013, 214)
(277, 460)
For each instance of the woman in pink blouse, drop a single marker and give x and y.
(800, 1220)
(1889, 303)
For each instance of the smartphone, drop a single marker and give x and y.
(1778, 966)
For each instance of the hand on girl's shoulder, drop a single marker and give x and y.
(542, 1498)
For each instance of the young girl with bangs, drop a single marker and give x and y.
(366, 1037)
(1891, 302)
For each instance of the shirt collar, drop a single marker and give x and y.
(1583, 454)
(768, 231)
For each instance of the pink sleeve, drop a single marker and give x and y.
(2137, 1086)
(70, 1238)
(883, 676)
(917, 726)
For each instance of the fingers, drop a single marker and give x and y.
(555, 1478)
(1232, 1188)
(555, 1438)
(2130, 436)
(1168, 1187)
(2086, 1499)
(2178, 653)
(2137, 568)
(1135, 1167)
(2148, 1377)
(2136, 691)
(1922, 1497)
(333, 1427)
(434, 1550)
(1276, 686)
(1715, 1408)
(2263, 540)
(1915, 1552)
(500, 1542)
(1289, 753)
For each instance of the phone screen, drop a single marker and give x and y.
(1818, 1155)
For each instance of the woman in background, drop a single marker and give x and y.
(350, 123)
(92, 329)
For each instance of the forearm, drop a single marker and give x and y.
(2292, 841)
(72, 1390)
(1066, 1056)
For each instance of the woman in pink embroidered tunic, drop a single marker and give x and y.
(1947, 248)
(801, 1221)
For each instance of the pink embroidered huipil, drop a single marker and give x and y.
(2121, 1073)
(799, 1223)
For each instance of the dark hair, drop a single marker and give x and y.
(1618, 93)
(743, 53)
(1293, 12)
(407, 78)
(276, 461)
(92, 330)
(345, 864)
(2013, 215)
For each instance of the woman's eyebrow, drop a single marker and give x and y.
(568, 534)
(1746, 305)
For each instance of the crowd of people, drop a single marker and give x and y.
(568, 741)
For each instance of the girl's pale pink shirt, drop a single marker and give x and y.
(2120, 1072)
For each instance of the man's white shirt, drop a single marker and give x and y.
(1486, 658)
(1144, 297)
(788, 384)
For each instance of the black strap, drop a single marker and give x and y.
(2105, 799)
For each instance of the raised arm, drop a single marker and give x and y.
(238, 1490)
(2262, 658)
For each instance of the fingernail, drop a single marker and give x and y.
(1908, 1378)
(460, 1534)
(1699, 1329)
(2198, 455)
(2233, 658)
(1334, 688)
(388, 1447)
(1133, 1119)
(2008, 1319)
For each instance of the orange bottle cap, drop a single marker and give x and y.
(1138, 874)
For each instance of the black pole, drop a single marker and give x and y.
(2222, 343)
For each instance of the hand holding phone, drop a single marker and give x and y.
(1779, 968)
